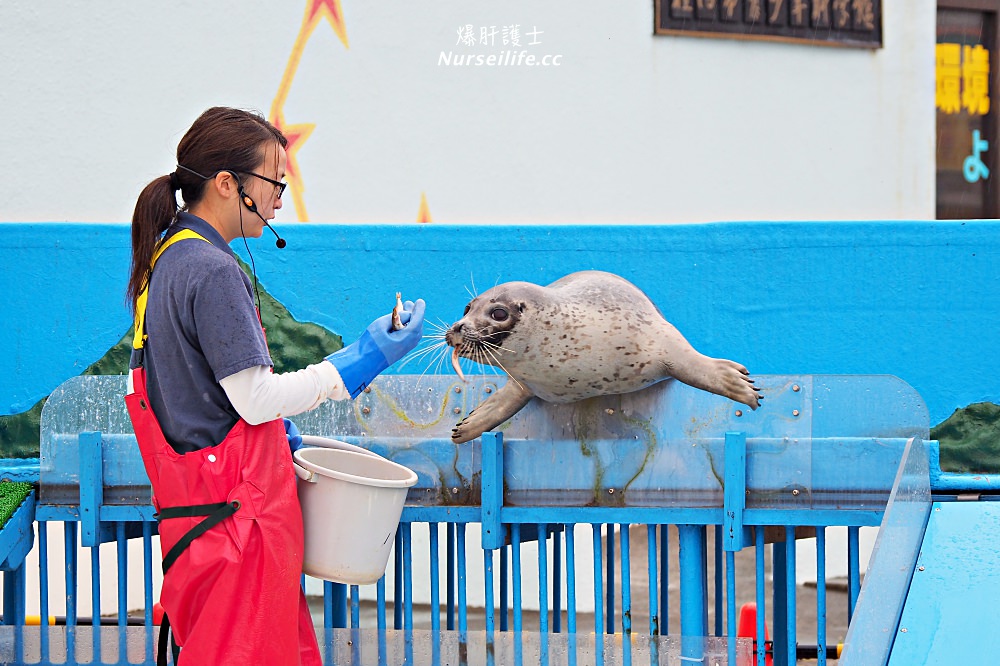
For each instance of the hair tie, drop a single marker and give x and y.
(174, 184)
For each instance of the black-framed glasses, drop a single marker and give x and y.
(279, 187)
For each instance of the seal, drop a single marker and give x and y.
(587, 334)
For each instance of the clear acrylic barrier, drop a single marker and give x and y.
(873, 627)
(817, 441)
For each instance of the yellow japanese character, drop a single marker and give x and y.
(821, 13)
(864, 14)
(799, 12)
(976, 80)
(948, 68)
(841, 14)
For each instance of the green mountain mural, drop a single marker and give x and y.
(293, 345)
(970, 439)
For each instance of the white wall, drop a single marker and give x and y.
(628, 128)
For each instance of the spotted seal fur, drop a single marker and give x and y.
(587, 334)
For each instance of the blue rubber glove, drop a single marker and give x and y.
(379, 347)
(292, 433)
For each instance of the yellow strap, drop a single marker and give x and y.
(139, 339)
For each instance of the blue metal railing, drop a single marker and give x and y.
(781, 473)
(693, 594)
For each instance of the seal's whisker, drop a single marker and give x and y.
(500, 365)
(436, 366)
(421, 352)
(495, 346)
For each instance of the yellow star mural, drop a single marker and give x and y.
(297, 133)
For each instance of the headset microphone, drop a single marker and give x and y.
(252, 207)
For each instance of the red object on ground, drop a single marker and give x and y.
(747, 628)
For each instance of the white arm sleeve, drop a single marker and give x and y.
(259, 395)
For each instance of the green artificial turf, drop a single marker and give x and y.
(12, 493)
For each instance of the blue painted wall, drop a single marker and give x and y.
(920, 300)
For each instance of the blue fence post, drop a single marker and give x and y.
(91, 487)
(623, 536)
(853, 569)
(598, 582)
(504, 583)
(435, 578)
(338, 605)
(450, 576)
(407, 576)
(779, 582)
(692, 554)
(492, 491)
(609, 600)
(664, 580)
(760, 596)
(14, 591)
(790, 634)
(735, 494)
(122, 544)
(397, 583)
(654, 615)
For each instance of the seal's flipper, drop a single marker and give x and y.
(717, 375)
(492, 412)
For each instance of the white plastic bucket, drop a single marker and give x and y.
(327, 443)
(351, 502)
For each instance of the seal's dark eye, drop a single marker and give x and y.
(498, 314)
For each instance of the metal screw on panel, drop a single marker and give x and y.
(454, 491)
(796, 388)
(457, 410)
(739, 412)
(458, 389)
(366, 410)
(609, 412)
(368, 389)
(611, 491)
(903, 630)
(488, 389)
(795, 412)
(920, 568)
(795, 492)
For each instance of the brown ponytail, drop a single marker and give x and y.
(221, 138)
(154, 211)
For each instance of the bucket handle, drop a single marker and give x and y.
(303, 473)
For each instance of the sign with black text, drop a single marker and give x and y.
(831, 22)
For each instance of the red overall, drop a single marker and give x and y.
(233, 595)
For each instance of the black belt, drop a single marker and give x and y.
(215, 514)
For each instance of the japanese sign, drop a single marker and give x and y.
(836, 22)
(963, 78)
(966, 124)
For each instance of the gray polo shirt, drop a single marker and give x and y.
(202, 326)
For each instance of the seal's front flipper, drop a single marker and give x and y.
(492, 412)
